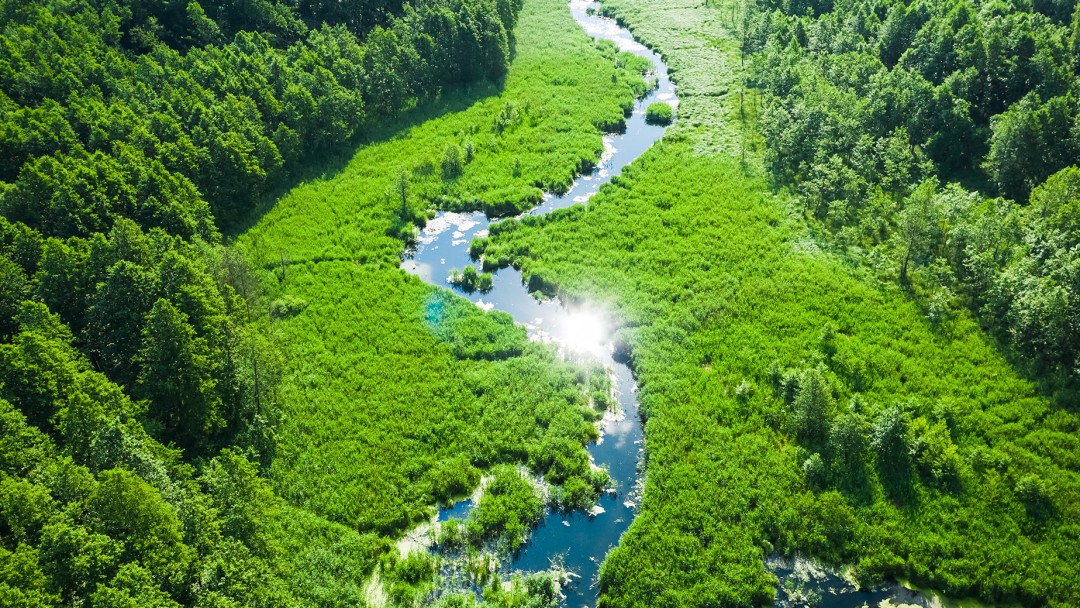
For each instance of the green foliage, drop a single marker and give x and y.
(451, 162)
(470, 280)
(868, 109)
(173, 109)
(718, 283)
(396, 393)
(659, 113)
(889, 441)
(508, 508)
(287, 306)
(131, 132)
(176, 377)
(812, 406)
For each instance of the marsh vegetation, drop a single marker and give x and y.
(846, 283)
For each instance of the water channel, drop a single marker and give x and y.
(579, 541)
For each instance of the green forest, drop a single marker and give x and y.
(847, 282)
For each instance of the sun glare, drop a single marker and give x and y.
(584, 332)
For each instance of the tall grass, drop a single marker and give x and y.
(397, 392)
(715, 286)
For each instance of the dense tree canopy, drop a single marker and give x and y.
(871, 107)
(138, 392)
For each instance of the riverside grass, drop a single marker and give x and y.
(395, 392)
(712, 283)
(718, 291)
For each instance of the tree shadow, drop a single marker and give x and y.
(329, 164)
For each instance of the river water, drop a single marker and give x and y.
(579, 541)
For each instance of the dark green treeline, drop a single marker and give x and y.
(137, 396)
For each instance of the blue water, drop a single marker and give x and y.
(577, 541)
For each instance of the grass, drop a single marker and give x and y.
(713, 284)
(659, 114)
(397, 392)
(703, 60)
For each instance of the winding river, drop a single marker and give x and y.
(579, 541)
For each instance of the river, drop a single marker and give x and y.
(579, 541)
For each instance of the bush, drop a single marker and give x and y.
(452, 478)
(507, 510)
(659, 113)
(287, 306)
(470, 151)
(577, 494)
(471, 280)
(451, 162)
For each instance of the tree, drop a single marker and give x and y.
(920, 226)
(203, 29)
(78, 559)
(123, 506)
(176, 376)
(889, 442)
(1074, 39)
(847, 449)
(115, 321)
(244, 500)
(451, 162)
(812, 404)
(22, 582)
(814, 472)
(1030, 141)
(38, 369)
(132, 586)
(14, 288)
(1040, 290)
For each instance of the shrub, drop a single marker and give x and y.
(814, 471)
(507, 510)
(577, 494)
(659, 113)
(451, 162)
(452, 478)
(287, 306)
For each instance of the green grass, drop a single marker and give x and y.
(702, 55)
(659, 114)
(713, 283)
(395, 393)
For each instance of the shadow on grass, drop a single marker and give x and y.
(329, 164)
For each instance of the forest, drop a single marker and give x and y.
(853, 341)
(141, 377)
(950, 129)
(847, 282)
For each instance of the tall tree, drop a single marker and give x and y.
(176, 375)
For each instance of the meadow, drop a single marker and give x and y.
(396, 394)
(182, 428)
(794, 401)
